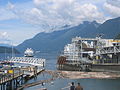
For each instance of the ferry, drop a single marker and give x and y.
(95, 54)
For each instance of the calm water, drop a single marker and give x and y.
(88, 84)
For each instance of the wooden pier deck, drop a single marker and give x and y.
(17, 76)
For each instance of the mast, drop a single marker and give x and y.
(81, 48)
(5, 53)
(12, 49)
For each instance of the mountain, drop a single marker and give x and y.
(4, 49)
(6, 45)
(118, 36)
(110, 28)
(55, 41)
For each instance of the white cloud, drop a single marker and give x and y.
(114, 2)
(50, 14)
(10, 5)
(112, 7)
(6, 13)
(4, 38)
(37, 2)
(87, 12)
(3, 35)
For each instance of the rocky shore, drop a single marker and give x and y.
(89, 75)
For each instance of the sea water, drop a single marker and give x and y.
(87, 84)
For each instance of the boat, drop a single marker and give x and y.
(94, 54)
(76, 57)
(29, 52)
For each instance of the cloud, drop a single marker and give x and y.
(114, 2)
(3, 35)
(50, 14)
(113, 7)
(4, 38)
(10, 5)
(87, 12)
(6, 13)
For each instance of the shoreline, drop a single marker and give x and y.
(89, 75)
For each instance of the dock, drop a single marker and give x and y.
(15, 71)
(16, 77)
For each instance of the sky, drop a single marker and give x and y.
(23, 19)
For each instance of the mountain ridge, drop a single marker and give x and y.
(4, 49)
(55, 41)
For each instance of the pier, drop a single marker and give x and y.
(11, 81)
(16, 77)
(16, 71)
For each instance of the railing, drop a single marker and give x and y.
(109, 50)
(32, 61)
(7, 77)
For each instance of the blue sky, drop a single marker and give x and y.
(22, 19)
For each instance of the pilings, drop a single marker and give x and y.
(11, 83)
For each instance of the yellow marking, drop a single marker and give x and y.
(114, 40)
(10, 71)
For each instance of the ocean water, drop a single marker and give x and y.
(58, 84)
(87, 84)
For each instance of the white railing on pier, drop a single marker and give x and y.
(28, 60)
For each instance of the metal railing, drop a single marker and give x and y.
(7, 77)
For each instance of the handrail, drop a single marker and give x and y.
(10, 77)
